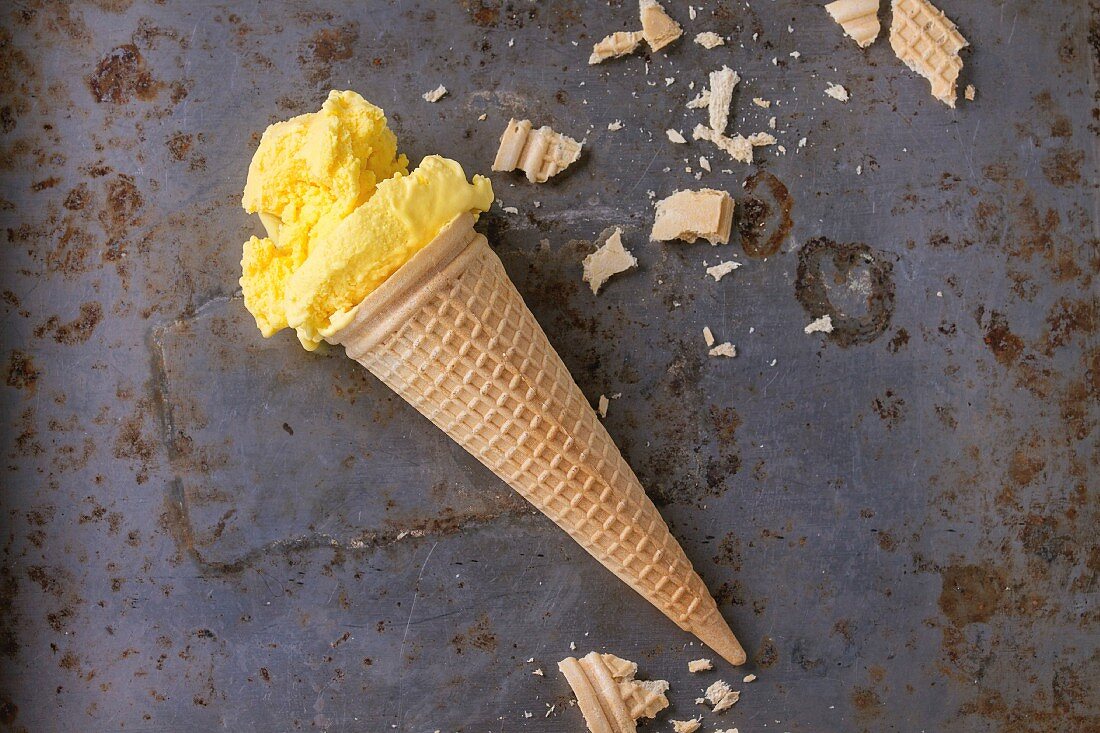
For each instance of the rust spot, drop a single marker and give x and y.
(76, 331)
(44, 184)
(758, 215)
(767, 655)
(1068, 318)
(866, 702)
(1006, 346)
(851, 283)
(479, 636)
(970, 593)
(484, 13)
(179, 145)
(1063, 167)
(887, 542)
(77, 198)
(265, 674)
(1024, 466)
(124, 201)
(22, 373)
(326, 47)
(899, 341)
(122, 75)
(890, 408)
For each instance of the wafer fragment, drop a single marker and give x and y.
(721, 697)
(615, 45)
(737, 147)
(688, 215)
(970, 92)
(701, 101)
(929, 44)
(540, 153)
(610, 259)
(722, 83)
(609, 697)
(658, 28)
(761, 139)
(700, 665)
(718, 272)
(724, 349)
(820, 325)
(858, 18)
(686, 726)
(675, 136)
(435, 95)
(837, 92)
(709, 40)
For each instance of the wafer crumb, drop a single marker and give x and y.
(686, 726)
(729, 350)
(688, 215)
(658, 28)
(704, 164)
(708, 337)
(858, 18)
(615, 45)
(970, 92)
(710, 40)
(540, 153)
(722, 83)
(821, 325)
(675, 136)
(434, 95)
(539, 672)
(761, 102)
(759, 139)
(701, 100)
(737, 147)
(610, 259)
(603, 405)
(700, 665)
(749, 678)
(837, 92)
(722, 269)
(615, 126)
(720, 696)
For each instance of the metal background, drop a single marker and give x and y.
(205, 530)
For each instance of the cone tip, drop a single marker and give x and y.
(717, 634)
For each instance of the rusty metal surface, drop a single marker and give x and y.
(203, 530)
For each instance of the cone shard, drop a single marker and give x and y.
(451, 335)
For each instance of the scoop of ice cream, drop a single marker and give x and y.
(342, 215)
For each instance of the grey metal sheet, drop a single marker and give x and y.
(204, 530)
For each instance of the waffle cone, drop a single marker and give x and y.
(451, 335)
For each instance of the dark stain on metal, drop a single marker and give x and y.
(851, 283)
(22, 373)
(76, 331)
(899, 341)
(478, 636)
(122, 75)
(890, 408)
(764, 221)
(767, 654)
(971, 593)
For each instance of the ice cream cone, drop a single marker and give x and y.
(451, 335)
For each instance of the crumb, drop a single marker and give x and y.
(795, 55)
(859, 170)
(572, 646)
(759, 102)
(540, 153)
(970, 92)
(675, 136)
(509, 209)
(737, 147)
(708, 337)
(858, 18)
(670, 80)
(610, 259)
(758, 139)
(482, 117)
(615, 45)
(721, 697)
(700, 665)
(658, 28)
(539, 672)
(722, 269)
(704, 164)
(722, 83)
(710, 40)
(771, 123)
(435, 95)
(686, 726)
(615, 126)
(691, 12)
(726, 349)
(688, 215)
(701, 100)
(837, 92)
(749, 678)
(802, 143)
(603, 405)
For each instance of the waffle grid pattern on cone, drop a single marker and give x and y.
(474, 361)
(926, 40)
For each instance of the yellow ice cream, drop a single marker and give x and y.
(342, 214)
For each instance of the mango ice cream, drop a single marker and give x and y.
(342, 213)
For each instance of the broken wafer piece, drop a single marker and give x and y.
(686, 726)
(724, 349)
(701, 101)
(688, 215)
(858, 18)
(610, 259)
(718, 272)
(737, 147)
(709, 40)
(837, 92)
(929, 44)
(615, 45)
(540, 153)
(609, 697)
(721, 697)
(701, 665)
(434, 95)
(658, 28)
(722, 83)
(820, 325)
